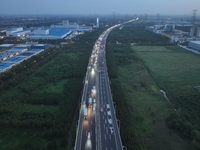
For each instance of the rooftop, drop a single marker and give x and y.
(6, 45)
(17, 49)
(196, 42)
(14, 59)
(4, 66)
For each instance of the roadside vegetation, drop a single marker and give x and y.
(138, 73)
(39, 98)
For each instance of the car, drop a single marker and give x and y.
(88, 136)
(93, 108)
(94, 100)
(101, 110)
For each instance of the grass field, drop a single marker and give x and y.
(173, 68)
(141, 79)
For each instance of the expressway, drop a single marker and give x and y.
(97, 125)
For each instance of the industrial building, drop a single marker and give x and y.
(195, 32)
(66, 24)
(51, 33)
(195, 45)
(17, 32)
(19, 53)
(71, 26)
(58, 31)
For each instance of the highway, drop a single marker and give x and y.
(97, 129)
(97, 125)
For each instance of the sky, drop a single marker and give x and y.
(177, 7)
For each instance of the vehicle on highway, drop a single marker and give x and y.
(90, 102)
(85, 113)
(88, 136)
(93, 108)
(94, 100)
(107, 105)
(101, 110)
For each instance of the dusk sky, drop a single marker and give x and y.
(179, 7)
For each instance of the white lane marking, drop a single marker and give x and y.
(105, 121)
(107, 130)
(103, 117)
(91, 123)
(111, 148)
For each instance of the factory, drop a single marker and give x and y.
(17, 32)
(58, 31)
(161, 28)
(49, 33)
(194, 45)
(18, 53)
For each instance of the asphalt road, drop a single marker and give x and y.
(99, 131)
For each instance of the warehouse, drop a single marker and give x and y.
(195, 45)
(52, 33)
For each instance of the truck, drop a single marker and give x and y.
(85, 113)
(90, 102)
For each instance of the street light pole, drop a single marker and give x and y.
(118, 123)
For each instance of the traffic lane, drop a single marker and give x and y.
(115, 126)
(109, 101)
(87, 143)
(89, 123)
(107, 138)
(80, 129)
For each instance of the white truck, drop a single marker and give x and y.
(85, 113)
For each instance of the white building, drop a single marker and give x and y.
(195, 45)
(13, 30)
(65, 24)
(97, 25)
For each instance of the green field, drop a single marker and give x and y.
(171, 67)
(142, 71)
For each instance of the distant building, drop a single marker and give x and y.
(195, 45)
(51, 33)
(97, 25)
(168, 28)
(6, 46)
(17, 32)
(198, 32)
(195, 32)
(65, 24)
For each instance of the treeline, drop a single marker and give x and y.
(136, 33)
(186, 118)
